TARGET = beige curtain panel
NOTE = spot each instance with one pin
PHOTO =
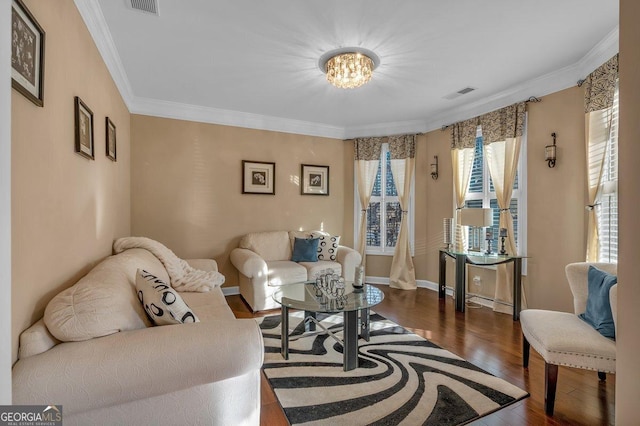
(463, 145)
(367, 155)
(502, 132)
(599, 91)
(403, 152)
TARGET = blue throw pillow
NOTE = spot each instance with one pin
(305, 250)
(598, 313)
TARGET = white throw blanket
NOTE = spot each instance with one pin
(183, 276)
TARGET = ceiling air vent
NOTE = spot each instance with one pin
(460, 92)
(148, 6)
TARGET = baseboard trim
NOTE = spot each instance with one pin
(420, 283)
(472, 298)
(230, 291)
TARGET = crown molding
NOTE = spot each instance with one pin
(600, 53)
(180, 111)
(91, 13)
(549, 83)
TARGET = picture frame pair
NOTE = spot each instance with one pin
(258, 177)
(84, 141)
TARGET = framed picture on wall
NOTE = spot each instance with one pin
(110, 139)
(314, 180)
(84, 129)
(258, 177)
(27, 53)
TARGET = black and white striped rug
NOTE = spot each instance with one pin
(402, 379)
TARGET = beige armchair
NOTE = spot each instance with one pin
(563, 338)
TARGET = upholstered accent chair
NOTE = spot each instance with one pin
(563, 338)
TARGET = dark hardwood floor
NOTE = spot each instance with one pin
(492, 342)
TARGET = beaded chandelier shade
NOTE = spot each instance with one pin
(348, 68)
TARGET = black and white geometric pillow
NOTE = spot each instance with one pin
(328, 247)
(161, 302)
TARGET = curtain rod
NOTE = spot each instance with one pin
(532, 99)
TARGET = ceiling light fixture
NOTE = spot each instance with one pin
(349, 68)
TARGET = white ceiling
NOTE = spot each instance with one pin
(254, 63)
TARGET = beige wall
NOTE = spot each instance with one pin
(66, 209)
(187, 183)
(628, 332)
(556, 199)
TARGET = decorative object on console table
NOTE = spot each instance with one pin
(84, 129)
(489, 237)
(258, 177)
(447, 223)
(476, 219)
(27, 54)
(314, 180)
(503, 236)
(110, 139)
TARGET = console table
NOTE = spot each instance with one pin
(479, 259)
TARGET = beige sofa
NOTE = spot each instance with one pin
(263, 260)
(200, 373)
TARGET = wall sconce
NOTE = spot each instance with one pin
(550, 152)
(434, 168)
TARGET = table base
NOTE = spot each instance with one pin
(350, 333)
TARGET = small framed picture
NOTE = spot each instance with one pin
(84, 129)
(315, 180)
(110, 139)
(258, 177)
(27, 53)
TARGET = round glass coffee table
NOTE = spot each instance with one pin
(354, 304)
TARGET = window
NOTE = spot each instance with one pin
(607, 207)
(482, 194)
(384, 213)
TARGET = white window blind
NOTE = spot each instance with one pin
(607, 207)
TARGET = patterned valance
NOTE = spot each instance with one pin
(600, 86)
(507, 122)
(368, 149)
(403, 146)
(463, 134)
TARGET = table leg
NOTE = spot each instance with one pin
(364, 323)
(284, 339)
(350, 347)
(517, 288)
(461, 272)
(442, 275)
